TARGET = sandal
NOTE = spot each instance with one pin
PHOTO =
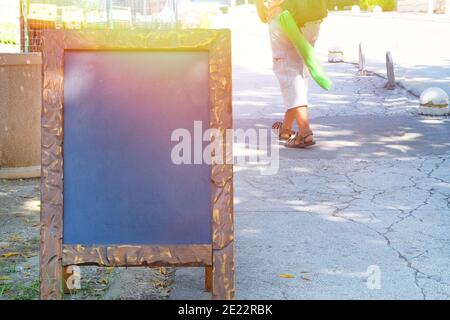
(283, 134)
(300, 141)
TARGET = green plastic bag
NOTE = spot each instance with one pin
(304, 48)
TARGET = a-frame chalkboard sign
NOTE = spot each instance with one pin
(111, 196)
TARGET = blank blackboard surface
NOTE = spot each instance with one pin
(120, 185)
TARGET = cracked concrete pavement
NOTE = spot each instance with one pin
(372, 199)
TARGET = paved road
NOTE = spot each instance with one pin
(363, 215)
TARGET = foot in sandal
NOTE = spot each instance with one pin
(301, 141)
(283, 133)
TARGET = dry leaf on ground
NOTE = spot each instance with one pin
(9, 254)
(305, 278)
(15, 238)
(286, 276)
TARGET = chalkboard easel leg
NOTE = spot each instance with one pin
(50, 260)
(208, 279)
(223, 273)
(66, 276)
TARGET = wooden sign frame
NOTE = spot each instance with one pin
(218, 257)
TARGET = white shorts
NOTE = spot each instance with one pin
(288, 65)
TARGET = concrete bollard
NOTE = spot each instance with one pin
(335, 53)
(391, 83)
(356, 9)
(377, 10)
(362, 61)
(434, 102)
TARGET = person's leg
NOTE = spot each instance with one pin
(279, 43)
(293, 78)
(289, 118)
(284, 128)
(301, 116)
(305, 136)
(311, 33)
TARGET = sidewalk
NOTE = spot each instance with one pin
(370, 202)
(374, 193)
(417, 43)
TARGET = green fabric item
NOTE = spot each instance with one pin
(304, 48)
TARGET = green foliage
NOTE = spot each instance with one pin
(9, 33)
(4, 288)
(27, 292)
(387, 5)
(18, 291)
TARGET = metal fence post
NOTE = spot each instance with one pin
(177, 22)
(109, 14)
(24, 41)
